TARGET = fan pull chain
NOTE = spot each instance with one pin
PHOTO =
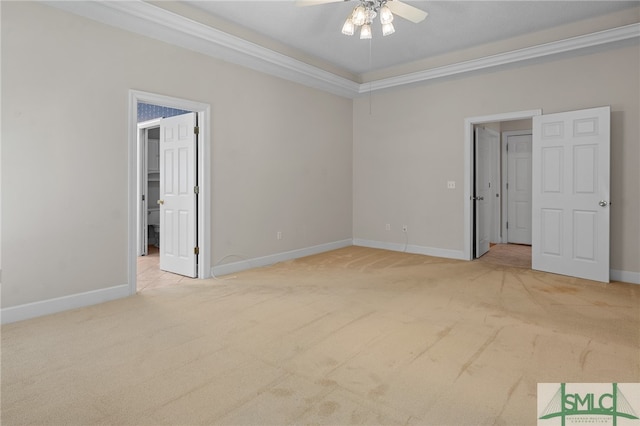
(370, 64)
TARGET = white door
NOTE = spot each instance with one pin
(571, 193)
(483, 142)
(178, 142)
(519, 189)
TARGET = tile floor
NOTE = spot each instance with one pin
(150, 276)
(516, 255)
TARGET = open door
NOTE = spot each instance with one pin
(178, 195)
(570, 217)
(484, 139)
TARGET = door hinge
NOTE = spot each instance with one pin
(507, 185)
(507, 225)
(196, 250)
(142, 197)
(196, 189)
(196, 130)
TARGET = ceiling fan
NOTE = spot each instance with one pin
(365, 12)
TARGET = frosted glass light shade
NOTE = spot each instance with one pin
(365, 32)
(385, 15)
(359, 16)
(348, 28)
(388, 29)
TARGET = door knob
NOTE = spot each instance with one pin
(160, 202)
(477, 198)
(603, 203)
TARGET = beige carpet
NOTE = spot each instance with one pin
(353, 336)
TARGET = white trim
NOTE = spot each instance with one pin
(624, 276)
(152, 21)
(410, 248)
(256, 262)
(204, 177)
(539, 51)
(616, 275)
(64, 303)
(468, 165)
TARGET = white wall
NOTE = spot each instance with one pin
(281, 152)
(411, 144)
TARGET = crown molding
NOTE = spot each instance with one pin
(535, 52)
(152, 21)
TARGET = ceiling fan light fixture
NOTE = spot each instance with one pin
(387, 29)
(365, 32)
(385, 15)
(364, 14)
(348, 28)
(359, 16)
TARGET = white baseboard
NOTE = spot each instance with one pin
(243, 265)
(625, 276)
(59, 304)
(410, 248)
(616, 275)
(64, 303)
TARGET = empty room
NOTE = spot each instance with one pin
(320, 212)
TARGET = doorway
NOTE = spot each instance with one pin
(151, 273)
(502, 193)
(570, 190)
(203, 177)
(494, 205)
(148, 232)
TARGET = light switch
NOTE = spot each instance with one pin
(451, 184)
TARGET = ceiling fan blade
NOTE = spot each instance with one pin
(315, 2)
(407, 11)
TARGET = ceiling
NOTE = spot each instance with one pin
(450, 26)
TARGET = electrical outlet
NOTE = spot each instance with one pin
(279, 235)
(451, 184)
(387, 227)
(404, 228)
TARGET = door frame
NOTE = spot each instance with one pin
(504, 167)
(204, 178)
(469, 172)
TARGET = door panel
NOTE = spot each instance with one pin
(551, 232)
(177, 192)
(571, 177)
